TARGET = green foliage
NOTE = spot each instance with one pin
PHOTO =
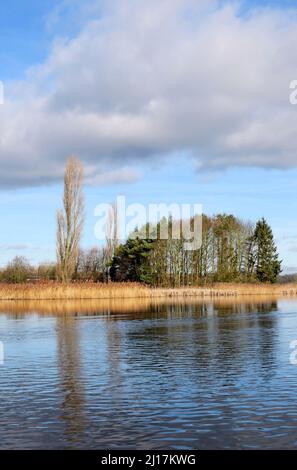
(131, 261)
(231, 251)
(226, 229)
(268, 266)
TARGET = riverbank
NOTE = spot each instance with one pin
(96, 291)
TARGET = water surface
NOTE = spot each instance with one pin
(148, 376)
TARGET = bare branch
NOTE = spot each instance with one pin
(70, 220)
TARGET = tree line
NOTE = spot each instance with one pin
(232, 250)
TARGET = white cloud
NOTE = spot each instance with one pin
(123, 175)
(147, 79)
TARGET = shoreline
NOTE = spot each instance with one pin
(130, 291)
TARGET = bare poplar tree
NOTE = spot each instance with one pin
(111, 235)
(70, 220)
(112, 230)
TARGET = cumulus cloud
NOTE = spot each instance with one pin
(146, 80)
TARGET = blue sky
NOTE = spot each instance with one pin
(238, 158)
(24, 37)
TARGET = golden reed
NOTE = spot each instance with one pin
(96, 291)
(156, 305)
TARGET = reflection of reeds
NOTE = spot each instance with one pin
(92, 291)
(130, 306)
(87, 306)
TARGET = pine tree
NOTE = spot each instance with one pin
(131, 261)
(268, 265)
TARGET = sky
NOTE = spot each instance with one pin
(174, 101)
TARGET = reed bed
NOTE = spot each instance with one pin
(97, 291)
(72, 291)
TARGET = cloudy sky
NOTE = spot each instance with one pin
(164, 101)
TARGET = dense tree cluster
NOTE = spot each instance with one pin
(231, 250)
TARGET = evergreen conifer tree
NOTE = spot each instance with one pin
(268, 265)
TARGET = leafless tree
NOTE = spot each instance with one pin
(91, 264)
(70, 220)
(112, 235)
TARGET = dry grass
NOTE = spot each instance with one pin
(58, 291)
(90, 291)
(231, 290)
